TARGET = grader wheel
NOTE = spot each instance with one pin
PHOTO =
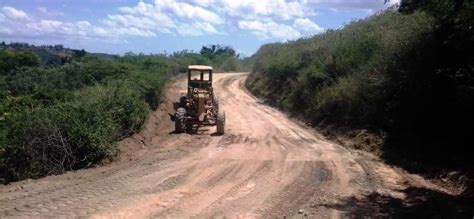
(220, 123)
(216, 103)
(179, 122)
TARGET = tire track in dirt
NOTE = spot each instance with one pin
(266, 165)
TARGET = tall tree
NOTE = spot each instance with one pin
(213, 51)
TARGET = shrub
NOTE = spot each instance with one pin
(71, 135)
(60, 118)
(53, 140)
(12, 60)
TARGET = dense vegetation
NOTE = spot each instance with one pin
(222, 58)
(68, 111)
(405, 73)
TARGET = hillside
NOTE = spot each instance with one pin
(397, 83)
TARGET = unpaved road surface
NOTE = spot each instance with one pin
(266, 165)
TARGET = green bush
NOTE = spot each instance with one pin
(59, 118)
(12, 60)
(71, 135)
(56, 139)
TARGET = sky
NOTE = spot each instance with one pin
(157, 26)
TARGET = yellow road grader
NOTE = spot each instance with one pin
(199, 106)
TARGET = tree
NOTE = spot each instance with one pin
(80, 53)
(212, 51)
(446, 79)
(454, 21)
(438, 8)
(59, 47)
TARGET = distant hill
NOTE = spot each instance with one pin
(49, 54)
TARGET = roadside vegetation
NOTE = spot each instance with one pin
(221, 58)
(63, 109)
(404, 75)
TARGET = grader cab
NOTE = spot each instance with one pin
(199, 106)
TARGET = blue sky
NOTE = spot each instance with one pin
(155, 26)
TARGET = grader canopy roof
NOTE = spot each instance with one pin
(199, 67)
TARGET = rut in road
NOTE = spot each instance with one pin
(266, 165)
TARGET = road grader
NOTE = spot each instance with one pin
(199, 106)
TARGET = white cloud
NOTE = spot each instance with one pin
(203, 3)
(251, 9)
(393, 2)
(200, 17)
(133, 31)
(147, 12)
(196, 29)
(188, 11)
(130, 21)
(269, 30)
(18, 23)
(48, 25)
(13, 13)
(167, 16)
(367, 5)
(141, 8)
(307, 26)
(186, 18)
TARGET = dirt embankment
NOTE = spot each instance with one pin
(266, 165)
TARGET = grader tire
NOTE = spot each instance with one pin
(216, 103)
(220, 123)
(179, 122)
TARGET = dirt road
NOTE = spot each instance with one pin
(266, 165)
